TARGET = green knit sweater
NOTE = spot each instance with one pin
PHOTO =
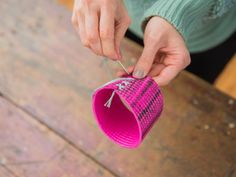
(202, 23)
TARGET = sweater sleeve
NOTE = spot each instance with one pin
(187, 15)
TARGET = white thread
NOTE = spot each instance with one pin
(118, 61)
(108, 103)
(120, 87)
(125, 82)
(115, 80)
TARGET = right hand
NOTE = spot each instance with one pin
(101, 25)
(165, 53)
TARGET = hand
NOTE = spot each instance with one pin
(164, 55)
(101, 25)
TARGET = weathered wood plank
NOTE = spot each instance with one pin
(5, 173)
(46, 71)
(30, 149)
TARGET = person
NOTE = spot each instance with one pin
(170, 29)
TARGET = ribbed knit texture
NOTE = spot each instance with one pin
(202, 23)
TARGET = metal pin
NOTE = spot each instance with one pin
(123, 67)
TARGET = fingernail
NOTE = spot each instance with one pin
(138, 74)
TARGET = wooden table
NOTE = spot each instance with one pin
(46, 123)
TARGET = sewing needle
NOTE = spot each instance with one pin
(118, 61)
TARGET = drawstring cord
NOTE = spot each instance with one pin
(120, 86)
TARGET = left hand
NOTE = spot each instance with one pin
(101, 25)
(164, 55)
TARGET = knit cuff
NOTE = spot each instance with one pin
(185, 16)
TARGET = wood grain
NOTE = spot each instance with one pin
(47, 73)
(30, 149)
(6, 173)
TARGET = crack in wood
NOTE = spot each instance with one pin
(33, 162)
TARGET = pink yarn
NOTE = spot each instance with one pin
(127, 126)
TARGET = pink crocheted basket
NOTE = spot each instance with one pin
(126, 109)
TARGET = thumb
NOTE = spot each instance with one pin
(145, 62)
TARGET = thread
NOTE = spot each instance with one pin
(108, 103)
(118, 61)
(120, 85)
